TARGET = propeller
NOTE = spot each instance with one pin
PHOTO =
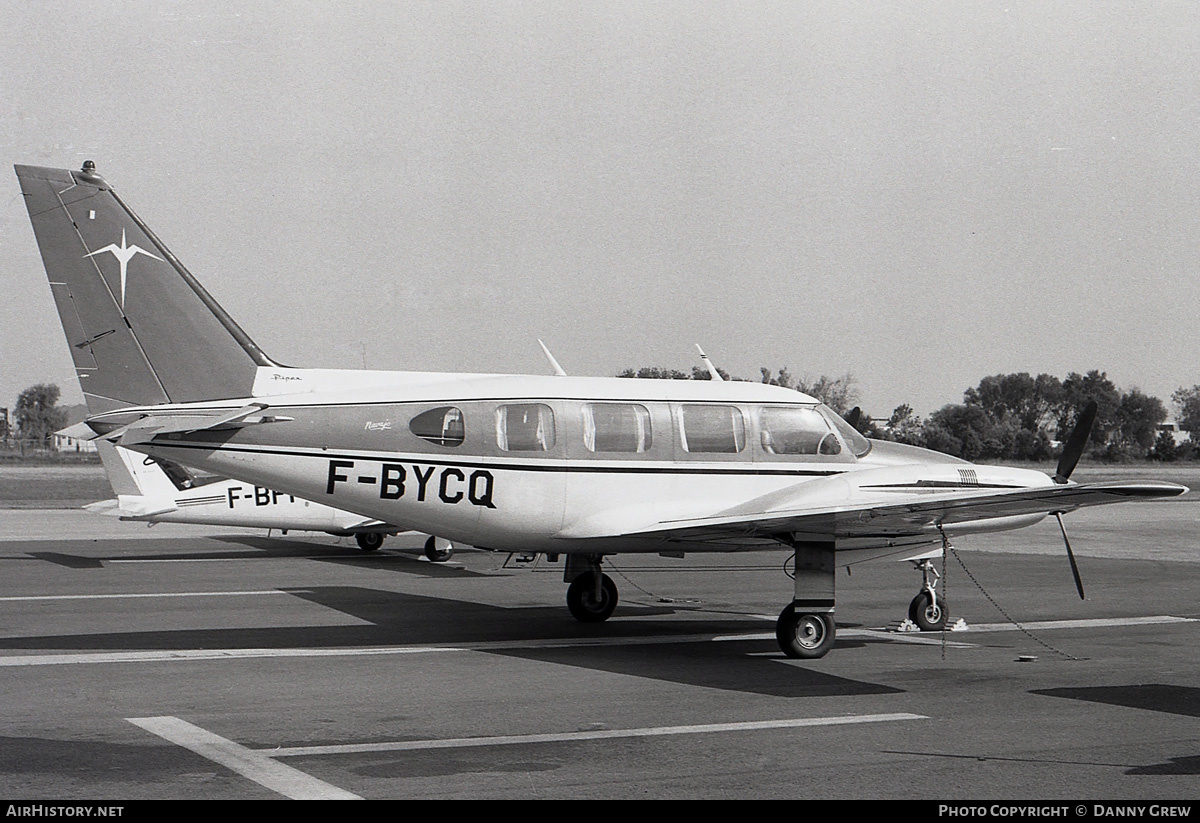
(1071, 453)
(1070, 556)
(853, 416)
(1076, 443)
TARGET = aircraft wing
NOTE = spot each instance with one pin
(916, 515)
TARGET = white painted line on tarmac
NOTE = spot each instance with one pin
(595, 734)
(254, 765)
(921, 639)
(186, 559)
(150, 594)
(185, 655)
(180, 655)
(916, 638)
(961, 637)
(1096, 623)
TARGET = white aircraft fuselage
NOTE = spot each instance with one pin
(347, 440)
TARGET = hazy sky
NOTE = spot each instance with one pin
(919, 194)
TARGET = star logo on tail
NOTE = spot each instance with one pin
(124, 254)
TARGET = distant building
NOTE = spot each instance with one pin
(65, 440)
(1177, 433)
(66, 443)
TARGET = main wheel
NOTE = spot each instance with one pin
(582, 601)
(436, 553)
(804, 635)
(368, 541)
(929, 616)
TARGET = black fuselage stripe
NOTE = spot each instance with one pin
(576, 467)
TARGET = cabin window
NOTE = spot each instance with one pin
(525, 427)
(794, 430)
(712, 429)
(616, 427)
(443, 426)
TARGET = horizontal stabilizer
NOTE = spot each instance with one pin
(139, 508)
(147, 428)
(131, 507)
(111, 508)
(79, 431)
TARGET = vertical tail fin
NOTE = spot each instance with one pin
(120, 467)
(142, 330)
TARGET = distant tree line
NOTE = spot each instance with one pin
(658, 373)
(37, 416)
(1021, 417)
(1012, 416)
(32, 422)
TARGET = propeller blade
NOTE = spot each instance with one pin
(1076, 443)
(1070, 556)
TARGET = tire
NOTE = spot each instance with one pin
(928, 616)
(803, 635)
(581, 598)
(433, 553)
(369, 541)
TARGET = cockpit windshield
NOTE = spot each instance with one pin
(859, 445)
(797, 430)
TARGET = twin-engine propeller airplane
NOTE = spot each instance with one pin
(581, 467)
(155, 491)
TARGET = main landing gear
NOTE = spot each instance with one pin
(804, 635)
(369, 541)
(438, 549)
(928, 610)
(806, 628)
(591, 595)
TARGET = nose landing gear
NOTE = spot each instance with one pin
(927, 610)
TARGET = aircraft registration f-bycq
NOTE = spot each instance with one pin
(575, 466)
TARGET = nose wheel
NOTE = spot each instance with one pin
(929, 614)
(928, 610)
